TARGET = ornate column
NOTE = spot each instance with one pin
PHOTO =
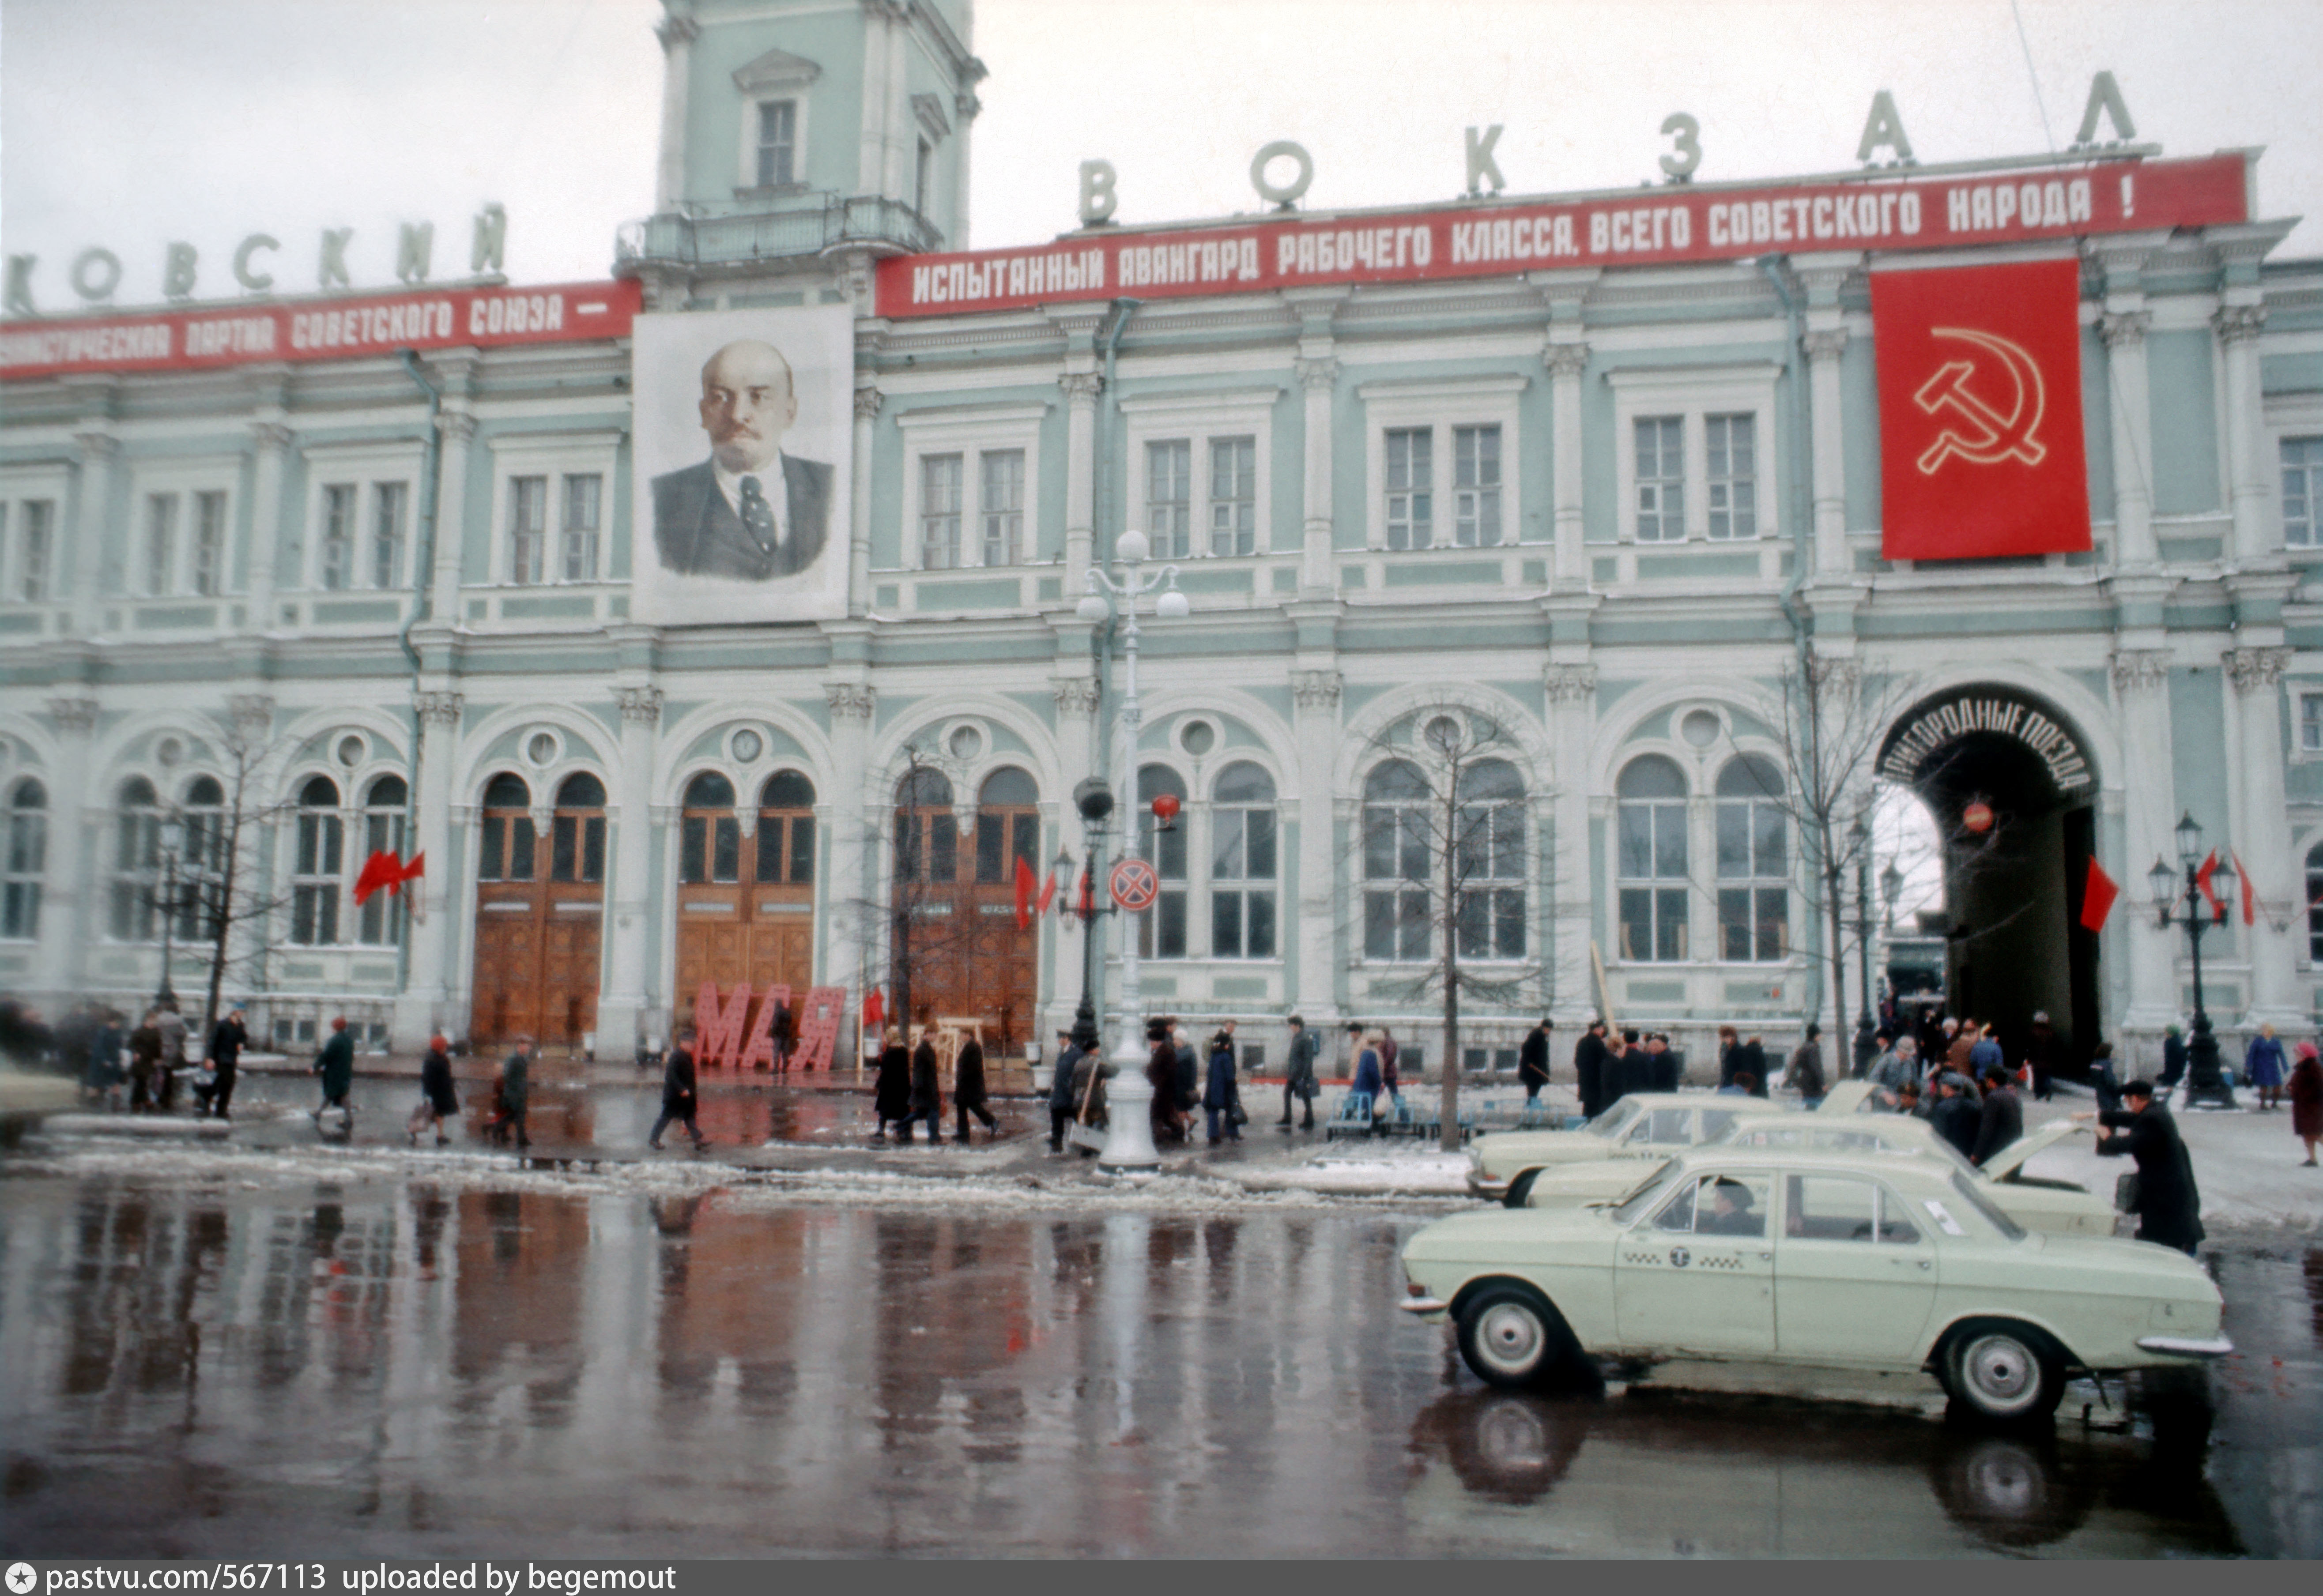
(1825, 346)
(1081, 390)
(1319, 374)
(1568, 358)
(69, 895)
(2141, 683)
(2261, 835)
(622, 1006)
(2124, 332)
(868, 402)
(270, 441)
(853, 873)
(425, 1004)
(100, 452)
(1316, 992)
(677, 35)
(459, 430)
(1572, 690)
(2258, 533)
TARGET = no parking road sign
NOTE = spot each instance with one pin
(1134, 885)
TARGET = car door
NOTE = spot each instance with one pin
(1697, 1275)
(1855, 1275)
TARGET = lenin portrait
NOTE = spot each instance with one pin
(749, 512)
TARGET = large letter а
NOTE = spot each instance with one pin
(1999, 437)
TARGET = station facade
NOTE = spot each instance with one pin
(1601, 477)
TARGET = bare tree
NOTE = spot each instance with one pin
(1446, 837)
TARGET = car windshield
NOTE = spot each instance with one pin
(1616, 1119)
(1642, 1201)
(1976, 1200)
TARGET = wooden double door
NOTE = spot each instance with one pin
(746, 898)
(953, 919)
(540, 900)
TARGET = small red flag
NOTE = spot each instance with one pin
(874, 1009)
(2202, 883)
(2250, 893)
(1048, 894)
(378, 871)
(2097, 897)
(1023, 894)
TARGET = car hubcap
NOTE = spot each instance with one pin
(1509, 1337)
(2001, 1369)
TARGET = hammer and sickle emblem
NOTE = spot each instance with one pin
(1998, 435)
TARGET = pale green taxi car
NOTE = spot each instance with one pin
(2052, 1207)
(1785, 1256)
(1644, 1125)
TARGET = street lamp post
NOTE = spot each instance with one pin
(2179, 903)
(1866, 1045)
(1094, 799)
(1129, 1134)
(173, 842)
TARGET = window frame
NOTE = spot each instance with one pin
(554, 456)
(24, 857)
(325, 886)
(764, 87)
(366, 467)
(1693, 394)
(1442, 405)
(2286, 439)
(379, 919)
(1406, 899)
(48, 484)
(1244, 888)
(1656, 884)
(1200, 420)
(1173, 904)
(971, 432)
(1756, 882)
(183, 480)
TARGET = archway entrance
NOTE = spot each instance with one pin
(955, 951)
(2013, 791)
(539, 900)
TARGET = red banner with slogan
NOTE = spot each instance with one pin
(1981, 411)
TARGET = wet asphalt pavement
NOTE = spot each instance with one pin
(251, 1362)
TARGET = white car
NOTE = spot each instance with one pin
(1644, 1125)
(2055, 1207)
(1873, 1264)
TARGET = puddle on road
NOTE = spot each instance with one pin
(200, 1367)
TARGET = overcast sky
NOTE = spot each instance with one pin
(133, 122)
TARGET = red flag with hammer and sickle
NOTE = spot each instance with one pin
(1981, 411)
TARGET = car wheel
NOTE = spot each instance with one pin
(1511, 1337)
(2003, 1372)
(1520, 1192)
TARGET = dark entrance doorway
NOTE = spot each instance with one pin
(955, 951)
(2012, 791)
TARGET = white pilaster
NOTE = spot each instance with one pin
(1081, 385)
(459, 431)
(100, 454)
(68, 896)
(2124, 330)
(1318, 375)
(1315, 694)
(426, 1004)
(2263, 835)
(622, 1007)
(2141, 684)
(270, 441)
(867, 400)
(1568, 358)
(1572, 690)
(1825, 346)
(2258, 531)
(677, 35)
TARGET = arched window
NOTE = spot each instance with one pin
(379, 923)
(315, 868)
(2315, 904)
(786, 830)
(1161, 929)
(1651, 865)
(508, 846)
(927, 834)
(1396, 852)
(26, 858)
(1754, 861)
(201, 866)
(1007, 826)
(709, 837)
(576, 845)
(1490, 860)
(1243, 864)
(136, 861)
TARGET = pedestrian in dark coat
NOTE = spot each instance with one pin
(1953, 1117)
(2044, 1054)
(1729, 1055)
(1590, 1057)
(2002, 1119)
(2169, 1208)
(105, 1076)
(678, 1099)
(1532, 1059)
(891, 1097)
(1221, 1095)
(2307, 1100)
(1389, 1052)
(1752, 1062)
(967, 1092)
(1662, 1062)
(336, 1065)
(1163, 1117)
(226, 1041)
(1300, 1085)
(437, 1096)
(2174, 1060)
(2105, 1077)
(144, 1062)
(1061, 1090)
(1806, 1068)
(516, 1091)
(927, 1092)
(1189, 1070)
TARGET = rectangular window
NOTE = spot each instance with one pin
(378, 924)
(209, 543)
(1234, 495)
(1410, 483)
(1169, 497)
(940, 507)
(801, 849)
(2302, 492)
(161, 544)
(1733, 485)
(1002, 499)
(1653, 923)
(314, 879)
(388, 504)
(335, 558)
(1161, 929)
(1661, 479)
(2310, 723)
(777, 143)
(35, 516)
(1477, 486)
(27, 858)
(527, 530)
(576, 848)
(584, 498)
(1242, 870)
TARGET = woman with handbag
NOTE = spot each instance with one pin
(1221, 1098)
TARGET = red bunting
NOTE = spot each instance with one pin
(2098, 897)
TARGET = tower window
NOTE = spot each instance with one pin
(777, 143)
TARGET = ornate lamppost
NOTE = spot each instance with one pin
(1129, 1135)
(2181, 903)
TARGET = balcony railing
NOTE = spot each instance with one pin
(887, 225)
